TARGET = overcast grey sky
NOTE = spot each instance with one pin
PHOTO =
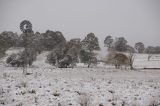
(136, 20)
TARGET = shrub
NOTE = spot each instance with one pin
(22, 59)
(14, 60)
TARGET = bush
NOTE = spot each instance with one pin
(22, 59)
(11, 58)
(65, 62)
(14, 60)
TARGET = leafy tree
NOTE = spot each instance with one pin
(55, 56)
(139, 46)
(53, 40)
(130, 49)
(88, 57)
(108, 41)
(68, 55)
(120, 44)
(89, 44)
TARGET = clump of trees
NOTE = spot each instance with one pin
(75, 50)
(33, 44)
(118, 44)
(120, 53)
(66, 56)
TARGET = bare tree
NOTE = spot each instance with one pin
(131, 60)
(131, 56)
(117, 59)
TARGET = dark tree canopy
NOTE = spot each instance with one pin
(66, 55)
(120, 44)
(130, 49)
(152, 50)
(108, 41)
(139, 46)
(7, 39)
(90, 42)
(52, 40)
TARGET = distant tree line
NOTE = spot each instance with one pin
(120, 44)
(65, 53)
(62, 53)
(118, 47)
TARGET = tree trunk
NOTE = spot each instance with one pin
(89, 63)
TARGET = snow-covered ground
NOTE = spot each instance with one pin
(99, 86)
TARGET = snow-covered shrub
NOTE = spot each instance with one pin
(21, 84)
(56, 94)
(23, 58)
(15, 60)
(84, 100)
(19, 104)
(5, 75)
(11, 58)
(32, 91)
(154, 103)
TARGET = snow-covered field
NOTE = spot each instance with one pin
(99, 86)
